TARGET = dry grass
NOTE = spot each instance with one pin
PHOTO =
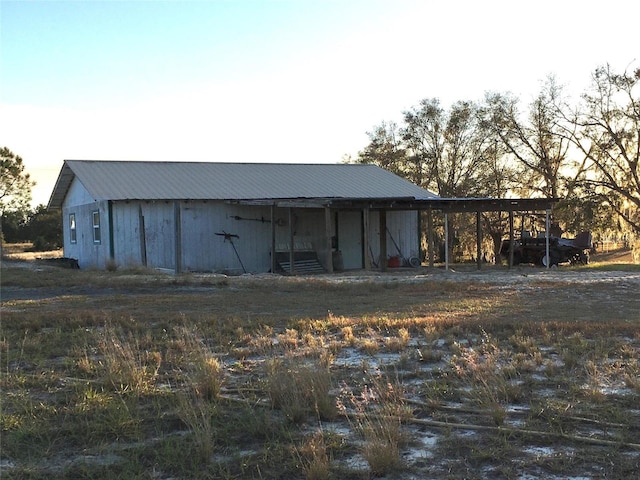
(118, 374)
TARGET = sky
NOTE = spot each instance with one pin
(293, 81)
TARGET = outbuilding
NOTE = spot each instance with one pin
(236, 217)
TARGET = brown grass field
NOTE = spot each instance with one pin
(422, 373)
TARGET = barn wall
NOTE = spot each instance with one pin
(350, 239)
(89, 254)
(403, 228)
(199, 233)
(205, 248)
(155, 243)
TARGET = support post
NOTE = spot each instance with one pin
(273, 238)
(383, 240)
(177, 231)
(479, 239)
(546, 237)
(512, 242)
(365, 239)
(446, 241)
(430, 239)
(327, 239)
(143, 239)
(292, 246)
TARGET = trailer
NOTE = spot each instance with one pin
(533, 250)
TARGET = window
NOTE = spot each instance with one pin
(72, 228)
(96, 227)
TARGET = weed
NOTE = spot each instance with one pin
(126, 366)
(300, 390)
(201, 370)
(370, 346)
(377, 414)
(316, 463)
(347, 335)
(197, 413)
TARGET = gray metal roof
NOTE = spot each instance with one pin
(135, 180)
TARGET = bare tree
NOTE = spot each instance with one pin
(607, 133)
(535, 138)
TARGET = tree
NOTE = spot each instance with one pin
(445, 147)
(15, 184)
(14, 226)
(385, 150)
(44, 229)
(535, 138)
(607, 133)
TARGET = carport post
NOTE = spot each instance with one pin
(273, 239)
(430, 236)
(478, 240)
(446, 241)
(383, 240)
(546, 237)
(327, 239)
(511, 239)
(291, 240)
(365, 239)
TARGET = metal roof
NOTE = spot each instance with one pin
(137, 180)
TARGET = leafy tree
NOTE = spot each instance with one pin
(607, 133)
(15, 184)
(445, 147)
(14, 226)
(44, 229)
(386, 150)
(452, 150)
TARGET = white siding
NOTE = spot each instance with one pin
(205, 248)
(157, 240)
(403, 227)
(350, 238)
(202, 247)
(88, 253)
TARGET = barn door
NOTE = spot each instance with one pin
(349, 231)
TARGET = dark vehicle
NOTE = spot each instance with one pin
(528, 249)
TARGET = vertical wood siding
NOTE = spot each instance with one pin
(200, 247)
(80, 203)
(403, 226)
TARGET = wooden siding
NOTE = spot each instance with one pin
(189, 235)
(403, 227)
(155, 243)
(88, 253)
(205, 248)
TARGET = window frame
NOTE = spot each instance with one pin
(97, 234)
(73, 228)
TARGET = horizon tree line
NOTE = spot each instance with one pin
(585, 153)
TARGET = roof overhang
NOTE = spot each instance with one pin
(65, 177)
(446, 205)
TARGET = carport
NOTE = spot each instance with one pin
(444, 206)
(480, 205)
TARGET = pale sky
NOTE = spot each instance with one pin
(273, 80)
